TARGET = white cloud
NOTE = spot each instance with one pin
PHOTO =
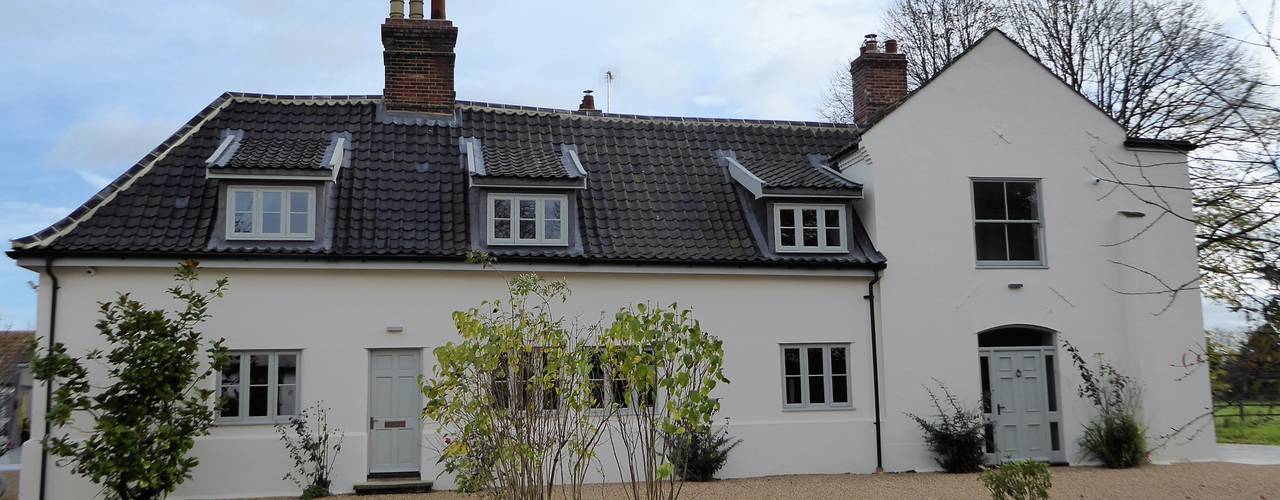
(108, 142)
(20, 218)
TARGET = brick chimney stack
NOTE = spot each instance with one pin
(879, 78)
(588, 102)
(418, 59)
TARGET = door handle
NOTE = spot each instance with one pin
(999, 409)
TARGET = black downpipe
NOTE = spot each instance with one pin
(48, 385)
(875, 367)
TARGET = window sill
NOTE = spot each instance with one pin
(811, 250)
(1029, 265)
(270, 238)
(527, 243)
(254, 422)
(800, 409)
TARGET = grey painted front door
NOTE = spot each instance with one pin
(1019, 404)
(394, 408)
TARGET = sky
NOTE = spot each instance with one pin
(89, 87)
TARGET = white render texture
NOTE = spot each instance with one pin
(335, 316)
(994, 113)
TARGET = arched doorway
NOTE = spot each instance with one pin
(1020, 393)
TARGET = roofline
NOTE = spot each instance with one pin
(883, 113)
(171, 257)
(1179, 145)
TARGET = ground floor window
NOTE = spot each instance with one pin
(259, 387)
(815, 376)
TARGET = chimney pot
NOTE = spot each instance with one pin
(397, 9)
(588, 101)
(437, 9)
(415, 9)
(879, 79)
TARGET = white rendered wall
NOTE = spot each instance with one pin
(334, 316)
(997, 113)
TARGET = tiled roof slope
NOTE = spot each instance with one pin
(280, 153)
(527, 161)
(795, 171)
(655, 190)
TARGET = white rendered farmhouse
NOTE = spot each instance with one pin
(958, 233)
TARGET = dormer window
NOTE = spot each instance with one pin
(810, 228)
(527, 219)
(270, 213)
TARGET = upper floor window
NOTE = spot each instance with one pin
(527, 219)
(1007, 225)
(262, 213)
(809, 228)
(815, 376)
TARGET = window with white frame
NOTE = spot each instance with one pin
(263, 213)
(522, 385)
(815, 376)
(1007, 225)
(809, 228)
(524, 219)
(259, 387)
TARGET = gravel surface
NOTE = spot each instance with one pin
(1182, 481)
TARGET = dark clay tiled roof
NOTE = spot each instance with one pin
(655, 190)
(528, 161)
(796, 171)
(280, 153)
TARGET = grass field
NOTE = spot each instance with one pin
(1255, 428)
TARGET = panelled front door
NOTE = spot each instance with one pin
(1019, 404)
(394, 408)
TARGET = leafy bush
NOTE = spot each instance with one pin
(307, 438)
(1026, 480)
(140, 426)
(956, 435)
(1115, 436)
(699, 453)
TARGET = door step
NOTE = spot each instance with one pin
(392, 486)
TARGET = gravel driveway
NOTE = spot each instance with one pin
(1182, 481)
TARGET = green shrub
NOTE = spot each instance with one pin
(1115, 436)
(313, 447)
(1026, 480)
(955, 436)
(1118, 441)
(699, 453)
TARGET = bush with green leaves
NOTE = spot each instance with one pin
(955, 434)
(664, 366)
(155, 401)
(699, 453)
(512, 399)
(525, 398)
(1025, 480)
(1114, 436)
(313, 447)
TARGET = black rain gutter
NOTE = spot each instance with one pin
(48, 385)
(875, 367)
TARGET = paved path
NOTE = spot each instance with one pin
(1250, 454)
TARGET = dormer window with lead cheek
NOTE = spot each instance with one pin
(817, 228)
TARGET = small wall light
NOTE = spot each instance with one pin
(1015, 286)
(395, 329)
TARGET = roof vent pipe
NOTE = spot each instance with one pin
(397, 9)
(415, 9)
(437, 9)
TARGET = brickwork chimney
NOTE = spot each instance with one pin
(418, 59)
(879, 78)
(588, 101)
